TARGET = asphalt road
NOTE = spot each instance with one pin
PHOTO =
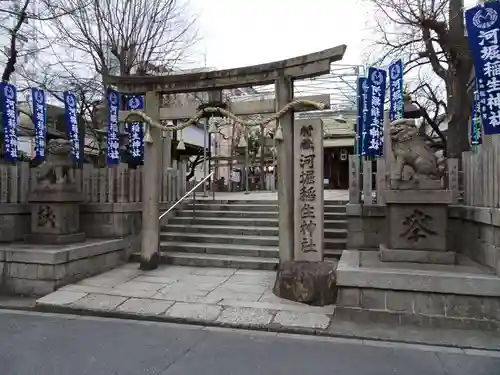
(49, 344)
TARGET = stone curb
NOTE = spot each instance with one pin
(275, 328)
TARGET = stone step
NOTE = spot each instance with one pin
(220, 248)
(336, 243)
(335, 216)
(243, 214)
(231, 207)
(209, 201)
(220, 238)
(214, 260)
(333, 254)
(335, 224)
(340, 233)
(335, 233)
(216, 221)
(225, 229)
(334, 208)
(250, 214)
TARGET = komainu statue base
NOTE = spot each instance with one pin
(55, 201)
(55, 215)
(312, 283)
(417, 227)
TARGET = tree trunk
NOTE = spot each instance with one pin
(460, 110)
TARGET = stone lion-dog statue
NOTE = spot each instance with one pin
(409, 148)
(57, 169)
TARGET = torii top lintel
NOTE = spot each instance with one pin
(301, 67)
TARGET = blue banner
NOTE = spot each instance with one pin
(374, 139)
(40, 121)
(136, 129)
(483, 25)
(72, 123)
(10, 118)
(362, 93)
(476, 130)
(113, 154)
(396, 105)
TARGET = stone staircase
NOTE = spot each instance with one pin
(238, 234)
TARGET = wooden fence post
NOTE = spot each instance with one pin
(453, 179)
(354, 179)
(367, 182)
(381, 180)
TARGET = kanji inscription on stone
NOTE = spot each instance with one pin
(417, 226)
(308, 190)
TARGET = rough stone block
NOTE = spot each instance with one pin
(355, 240)
(355, 224)
(56, 239)
(373, 299)
(491, 308)
(464, 307)
(429, 303)
(372, 240)
(22, 271)
(29, 287)
(399, 301)
(349, 297)
(313, 283)
(417, 256)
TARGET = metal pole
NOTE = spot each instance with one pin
(205, 165)
(247, 162)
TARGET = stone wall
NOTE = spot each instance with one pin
(475, 232)
(37, 271)
(14, 221)
(365, 225)
(472, 231)
(419, 308)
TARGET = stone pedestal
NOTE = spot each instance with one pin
(416, 226)
(55, 215)
(312, 283)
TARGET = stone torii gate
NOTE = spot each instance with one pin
(282, 74)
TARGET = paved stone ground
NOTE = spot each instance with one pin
(228, 297)
(54, 344)
(334, 195)
(218, 295)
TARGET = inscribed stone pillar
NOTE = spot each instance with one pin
(308, 190)
(150, 189)
(284, 95)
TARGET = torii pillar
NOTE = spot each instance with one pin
(150, 234)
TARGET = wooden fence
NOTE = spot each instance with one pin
(369, 190)
(481, 174)
(365, 185)
(118, 184)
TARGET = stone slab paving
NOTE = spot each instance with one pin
(334, 195)
(234, 297)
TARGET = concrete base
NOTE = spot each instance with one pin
(55, 239)
(462, 296)
(416, 256)
(40, 269)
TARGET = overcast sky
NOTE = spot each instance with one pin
(246, 32)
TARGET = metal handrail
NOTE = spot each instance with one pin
(187, 194)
